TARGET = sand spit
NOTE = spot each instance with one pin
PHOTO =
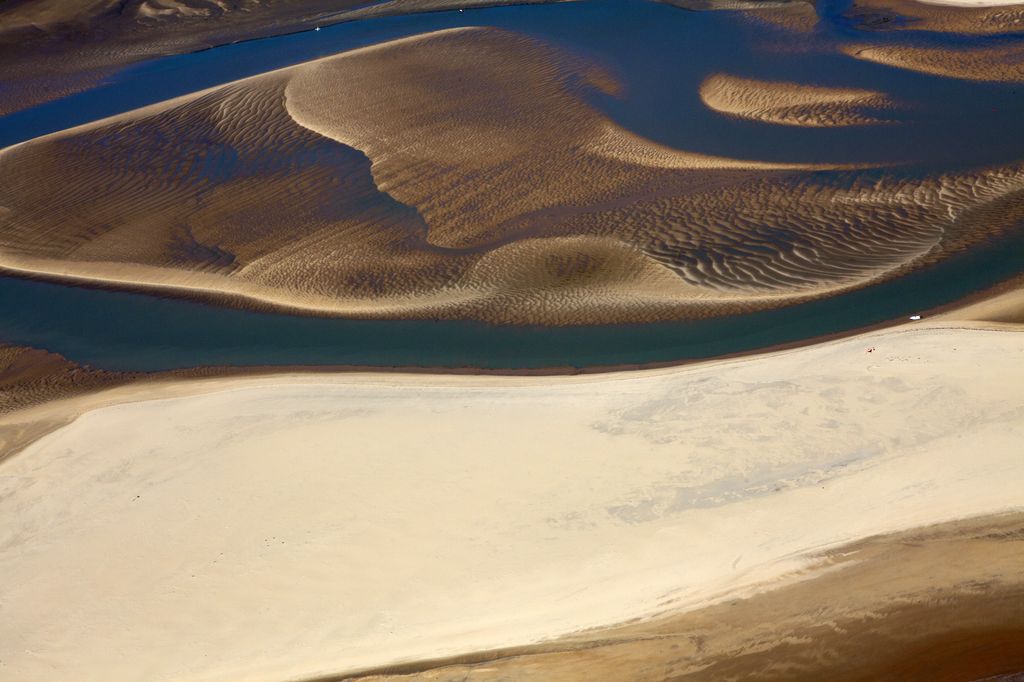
(288, 527)
(793, 104)
(1002, 63)
(1002, 310)
(30, 376)
(510, 200)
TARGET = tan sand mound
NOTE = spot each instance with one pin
(792, 104)
(316, 189)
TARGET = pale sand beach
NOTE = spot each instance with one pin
(286, 527)
(972, 3)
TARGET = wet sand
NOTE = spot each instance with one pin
(792, 103)
(997, 62)
(283, 527)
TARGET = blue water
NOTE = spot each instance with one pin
(662, 54)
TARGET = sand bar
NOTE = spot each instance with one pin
(284, 527)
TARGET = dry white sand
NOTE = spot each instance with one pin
(276, 528)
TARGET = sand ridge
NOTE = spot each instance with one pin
(999, 63)
(792, 104)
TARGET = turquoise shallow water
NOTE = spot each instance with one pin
(662, 53)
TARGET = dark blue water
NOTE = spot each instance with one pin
(662, 54)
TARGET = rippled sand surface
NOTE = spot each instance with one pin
(998, 63)
(791, 103)
(53, 48)
(481, 182)
(954, 16)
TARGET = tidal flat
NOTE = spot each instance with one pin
(446, 340)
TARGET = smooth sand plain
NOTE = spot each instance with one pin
(293, 526)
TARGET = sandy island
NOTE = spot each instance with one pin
(372, 210)
(291, 527)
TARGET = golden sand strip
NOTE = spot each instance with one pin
(996, 63)
(287, 527)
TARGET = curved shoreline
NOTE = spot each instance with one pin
(169, 333)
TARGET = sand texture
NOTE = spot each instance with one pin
(948, 16)
(791, 103)
(53, 48)
(999, 63)
(511, 199)
(283, 527)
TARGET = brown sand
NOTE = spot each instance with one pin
(312, 189)
(31, 377)
(1003, 63)
(53, 48)
(791, 104)
(795, 19)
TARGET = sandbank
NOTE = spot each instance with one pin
(294, 526)
(371, 210)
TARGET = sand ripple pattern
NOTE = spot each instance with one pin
(999, 63)
(479, 183)
(791, 104)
